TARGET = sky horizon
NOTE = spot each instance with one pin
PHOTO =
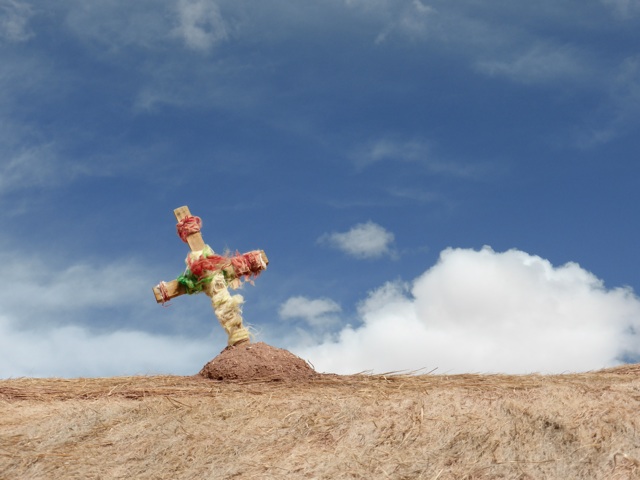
(438, 187)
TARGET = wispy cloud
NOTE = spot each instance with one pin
(201, 24)
(28, 163)
(29, 167)
(47, 288)
(495, 40)
(38, 288)
(626, 87)
(90, 319)
(419, 195)
(149, 26)
(540, 63)
(410, 20)
(419, 152)
(484, 311)
(14, 20)
(623, 9)
(364, 240)
(386, 149)
(620, 113)
(316, 312)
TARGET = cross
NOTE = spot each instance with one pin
(211, 273)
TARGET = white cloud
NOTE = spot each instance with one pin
(317, 312)
(89, 319)
(201, 24)
(73, 351)
(364, 240)
(14, 19)
(482, 311)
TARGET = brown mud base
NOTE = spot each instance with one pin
(257, 362)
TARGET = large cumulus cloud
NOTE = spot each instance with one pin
(484, 311)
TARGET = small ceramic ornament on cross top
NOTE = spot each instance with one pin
(211, 273)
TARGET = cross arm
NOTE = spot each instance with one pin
(165, 291)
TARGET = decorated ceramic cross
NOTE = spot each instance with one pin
(211, 273)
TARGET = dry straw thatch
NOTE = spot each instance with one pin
(577, 426)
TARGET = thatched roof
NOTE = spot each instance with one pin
(362, 426)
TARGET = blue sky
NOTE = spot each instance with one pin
(438, 185)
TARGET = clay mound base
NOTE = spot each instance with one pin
(257, 361)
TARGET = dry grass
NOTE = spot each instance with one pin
(578, 426)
